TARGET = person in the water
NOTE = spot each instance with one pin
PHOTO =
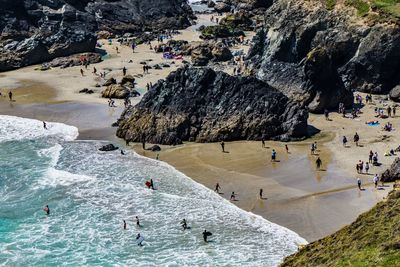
(124, 224)
(139, 237)
(47, 210)
(137, 222)
(44, 125)
(184, 224)
(122, 152)
(206, 234)
(151, 184)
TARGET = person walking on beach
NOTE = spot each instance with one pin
(137, 221)
(366, 167)
(356, 138)
(10, 96)
(262, 142)
(94, 70)
(344, 141)
(124, 224)
(359, 183)
(389, 111)
(124, 71)
(326, 113)
(312, 148)
(318, 162)
(287, 148)
(371, 154)
(394, 111)
(273, 155)
(47, 210)
(217, 188)
(82, 72)
(233, 196)
(375, 180)
(223, 146)
(261, 193)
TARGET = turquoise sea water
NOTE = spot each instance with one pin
(90, 192)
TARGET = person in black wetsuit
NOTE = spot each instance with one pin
(47, 210)
(206, 235)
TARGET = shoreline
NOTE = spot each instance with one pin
(312, 204)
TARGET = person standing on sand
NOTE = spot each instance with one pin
(389, 111)
(359, 183)
(371, 154)
(223, 146)
(262, 142)
(261, 193)
(312, 148)
(124, 71)
(358, 167)
(82, 72)
(356, 138)
(287, 148)
(217, 188)
(344, 141)
(10, 96)
(273, 155)
(375, 180)
(318, 162)
(394, 111)
(366, 167)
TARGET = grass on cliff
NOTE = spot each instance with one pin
(386, 8)
(372, 240)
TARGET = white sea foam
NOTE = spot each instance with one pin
(15, 128)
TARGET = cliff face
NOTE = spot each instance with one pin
(372, 240)
(37, 31)
(205, 106)
(317, 55)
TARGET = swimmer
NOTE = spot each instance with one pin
(137, 221)
(47, 210)
(184, 224)
(124, 224)
(205, 235)
(122, 152)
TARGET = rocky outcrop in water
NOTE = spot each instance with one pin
(202, 105)
(38, 31)
(318, 56)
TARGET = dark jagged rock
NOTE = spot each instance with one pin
(107, 148)
(239, 20)
(393, 173)
(359, 56)
(222, 7)
(203, 52)
(128, 79)
(154, 148)
(38, 31)
(74, 60)
(202, 105)
(395, 94)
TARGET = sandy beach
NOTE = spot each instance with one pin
(310, 202)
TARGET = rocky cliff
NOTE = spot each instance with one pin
(37, 31)
(317, 54)
(202, 105)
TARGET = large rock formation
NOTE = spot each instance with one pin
(206, 106)
(38, 31)
(393, 173)
(351, 53)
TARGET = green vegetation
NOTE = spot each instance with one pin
(330, 4)
(361, 6)
(372, 240)
(386, 8)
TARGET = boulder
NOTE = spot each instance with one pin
(221, 53)
(210, 4)
(107, 148)
(201, 105)
(393, 173)
(74, 60)
(395, 94)
(215, 31)
(110, 81)
(201, 54)
(127, 79)
(154, 148)
(222, 7)
(116, 91)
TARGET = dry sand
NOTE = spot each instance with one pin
(312, 203)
